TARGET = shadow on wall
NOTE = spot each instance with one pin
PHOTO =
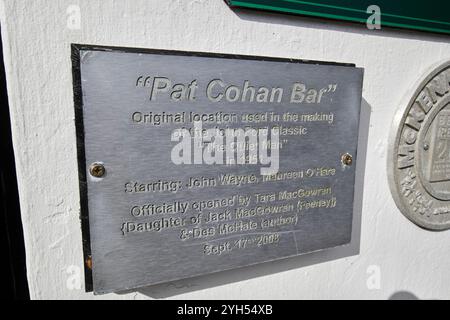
(242, 274)
(403, 295)
(335, 25)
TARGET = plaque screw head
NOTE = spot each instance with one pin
(89, 262)
(426, 146)
(97, 170)
(347, 159)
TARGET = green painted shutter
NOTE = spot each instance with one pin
(431, 15)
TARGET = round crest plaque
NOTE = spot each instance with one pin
(419, 152)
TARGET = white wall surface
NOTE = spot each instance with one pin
(409, 261)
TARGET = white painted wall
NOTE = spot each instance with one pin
(37, 57)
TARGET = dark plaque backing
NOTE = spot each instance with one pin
(147, 220)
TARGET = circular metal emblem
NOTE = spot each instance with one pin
(419, 152)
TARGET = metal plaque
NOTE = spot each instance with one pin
(419, 158)
(168, 193)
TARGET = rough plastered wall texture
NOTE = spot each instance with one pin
(395, 257)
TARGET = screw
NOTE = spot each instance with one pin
(97, 170)
(347, 159)
(426, 147)
(89, 262)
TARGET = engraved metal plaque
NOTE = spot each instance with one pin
(156, 207)
(419, 155)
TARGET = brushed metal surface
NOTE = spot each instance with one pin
(130, 152)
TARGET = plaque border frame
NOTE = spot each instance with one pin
(79, 124)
